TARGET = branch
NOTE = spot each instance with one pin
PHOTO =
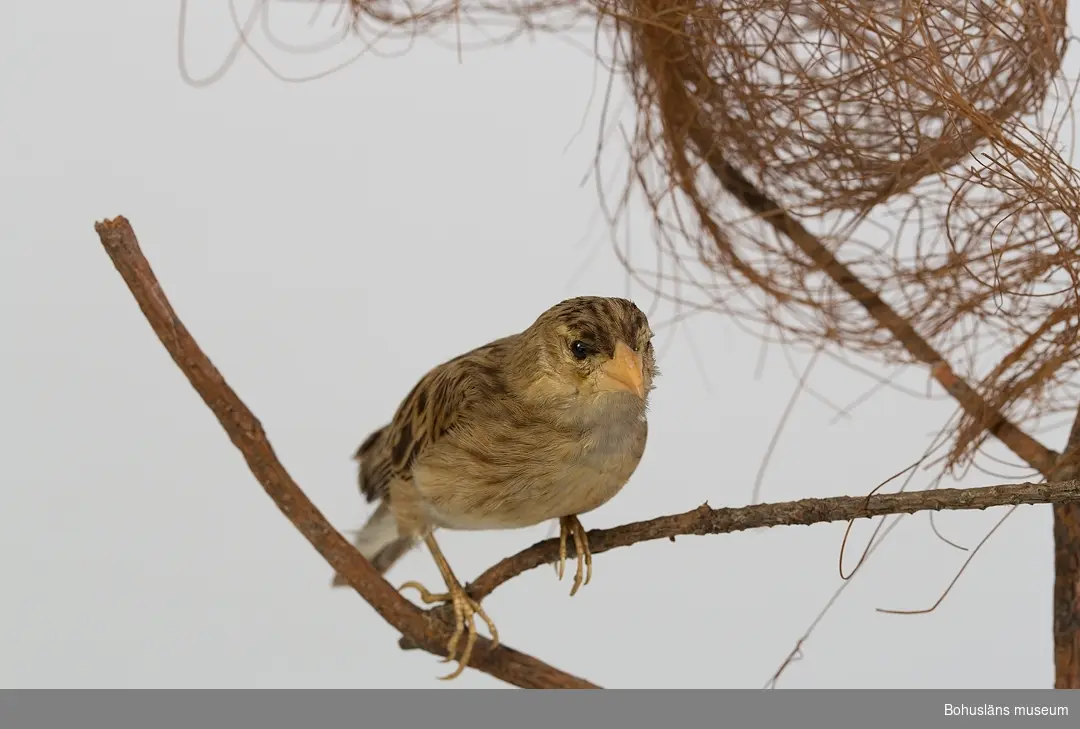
(705, 520)
(422, 628)
(1067, 571)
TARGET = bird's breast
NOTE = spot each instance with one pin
(524, 478)
(602, 466)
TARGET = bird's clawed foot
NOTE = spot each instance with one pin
(465, 611)
(570, 525)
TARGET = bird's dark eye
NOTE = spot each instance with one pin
(579, 349)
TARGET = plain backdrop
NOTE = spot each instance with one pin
(327, 242)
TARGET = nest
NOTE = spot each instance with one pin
(841, 105)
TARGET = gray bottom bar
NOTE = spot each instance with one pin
(540, 709)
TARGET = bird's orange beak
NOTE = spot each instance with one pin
(623, 372)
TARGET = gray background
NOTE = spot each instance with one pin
(326, 243)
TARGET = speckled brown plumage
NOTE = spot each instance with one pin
(545, 424)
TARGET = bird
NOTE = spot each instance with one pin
(545, 424)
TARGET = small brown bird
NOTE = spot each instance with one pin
(545, 424)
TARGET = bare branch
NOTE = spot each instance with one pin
(248, 436)
(1067, 572)
(705, 520)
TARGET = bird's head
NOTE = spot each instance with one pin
(590, 352)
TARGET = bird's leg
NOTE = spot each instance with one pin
(562, 547)
(465, 609)
(569, 525)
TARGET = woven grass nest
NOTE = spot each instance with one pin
(837, 105)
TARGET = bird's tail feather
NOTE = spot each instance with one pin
(378, 540)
